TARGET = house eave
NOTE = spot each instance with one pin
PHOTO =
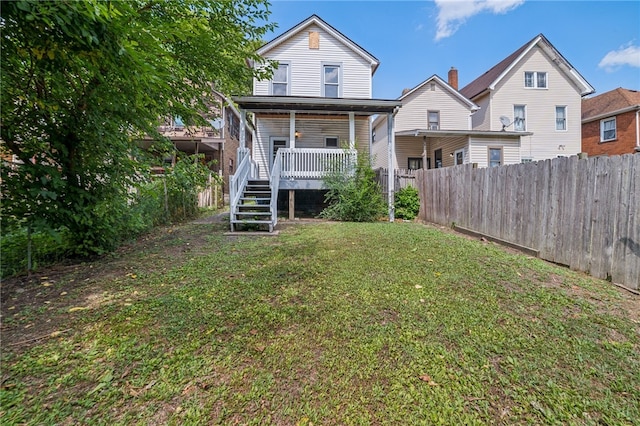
(611, 113)
(454, 133)
(317, 105)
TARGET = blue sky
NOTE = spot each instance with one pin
(415, 39)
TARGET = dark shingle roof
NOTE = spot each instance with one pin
(483, 82)
(609, 102)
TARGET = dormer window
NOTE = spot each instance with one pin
(535, 79)
(280, 81)
(331, 77)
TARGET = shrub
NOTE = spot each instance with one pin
(355, 196)
(407, 203)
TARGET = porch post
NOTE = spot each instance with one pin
(352, 130)
(292, 129)
(391, 146)
(243, 127)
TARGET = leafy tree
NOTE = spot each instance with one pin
(82, 80)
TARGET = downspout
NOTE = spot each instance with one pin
(391, 155)
(638, 130)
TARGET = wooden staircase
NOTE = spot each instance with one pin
(253, 211)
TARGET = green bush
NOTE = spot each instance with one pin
(355, 196)
(46, 248)
(407, 203)
(160, 200)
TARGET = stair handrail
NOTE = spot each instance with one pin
(238, 181)
(274, 183)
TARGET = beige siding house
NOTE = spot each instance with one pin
(534, 90)
(434, 129)
(310, 117)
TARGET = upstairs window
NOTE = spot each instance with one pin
(433, 120)
(535, 79)
(519, 118)
(561, 118)
(608, 129)
(280, 81)
(331, 81)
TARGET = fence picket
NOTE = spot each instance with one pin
(582, 213)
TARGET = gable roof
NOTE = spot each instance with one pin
(444, 84)
(491, 78)
(315, 19)
(610, 103)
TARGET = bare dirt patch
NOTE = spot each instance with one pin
(43, 304)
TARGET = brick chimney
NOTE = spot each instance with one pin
(453, 78)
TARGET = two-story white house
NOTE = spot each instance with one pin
(534, 90)
(312, 116)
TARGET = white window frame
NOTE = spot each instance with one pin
(602, 129)
(499, 148)
(455, 156)
(535, 79)
(417, 160)
(287, 83)
(564, 118)
(332, 137)
(429, 125)
(516, 118)
(324, 83)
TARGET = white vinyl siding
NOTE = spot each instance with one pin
(306, 66)
(312, 135)
(453, 113)
(479, 150)
(546, 141)
(379, 148)
(481, 119)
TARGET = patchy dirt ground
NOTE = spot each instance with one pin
(41, 306)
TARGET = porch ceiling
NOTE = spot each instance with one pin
(458, 133)
(317, 105)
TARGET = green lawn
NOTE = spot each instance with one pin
(324, 324)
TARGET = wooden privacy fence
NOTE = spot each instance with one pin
(584, 213)
(403, 178)
(211, 195)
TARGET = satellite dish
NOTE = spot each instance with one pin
(217, 123)
(506, 121)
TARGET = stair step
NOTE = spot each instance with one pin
(253, 214)
(266, 222)
(254, 199)
(268, 193)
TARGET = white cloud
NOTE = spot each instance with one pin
(625, 55)
(453, 13)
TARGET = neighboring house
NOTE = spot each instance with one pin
(535, 90)
(318, 101)
(218, 143)
(611, 123)
(434, 129)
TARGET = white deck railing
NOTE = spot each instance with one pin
(240, 178)
(314, 163)
(274, 182)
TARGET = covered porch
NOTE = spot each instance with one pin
(299, 140)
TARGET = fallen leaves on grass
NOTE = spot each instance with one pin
(427, 379)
